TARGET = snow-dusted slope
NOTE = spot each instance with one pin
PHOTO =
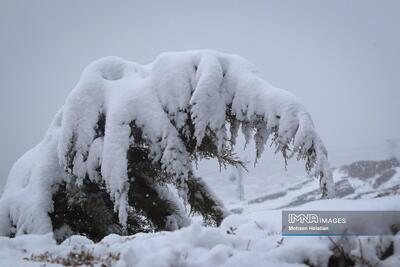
(362, 179)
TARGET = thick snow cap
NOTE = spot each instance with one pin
(214, 91)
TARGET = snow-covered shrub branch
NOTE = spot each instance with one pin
(127, 126)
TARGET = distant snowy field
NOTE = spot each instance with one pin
(251, 238)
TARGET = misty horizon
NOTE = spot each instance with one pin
(340, 58)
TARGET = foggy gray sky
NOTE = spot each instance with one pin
(340, 57)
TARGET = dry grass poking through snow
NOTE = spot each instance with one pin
(77, 257)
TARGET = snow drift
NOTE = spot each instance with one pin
(251, 239)
(177, 102)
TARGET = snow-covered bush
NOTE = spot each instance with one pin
(118, 157)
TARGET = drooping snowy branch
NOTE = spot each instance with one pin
(179, 108)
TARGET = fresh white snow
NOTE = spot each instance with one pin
(158, 98)
(249, 239)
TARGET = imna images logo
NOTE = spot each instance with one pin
(303, 218)
(314, 218)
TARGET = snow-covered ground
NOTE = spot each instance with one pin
(251, 238)
(248, 239)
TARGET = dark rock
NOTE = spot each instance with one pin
(343, 188)
(300, 185)
(281, 193)
(304, 198)
(386, 176)
(237, 210)
(368, 169)
(267, 197)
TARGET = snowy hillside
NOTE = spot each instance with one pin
(252, 238)
(362, 179)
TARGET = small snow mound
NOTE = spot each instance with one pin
(112, 68)
(77, 240)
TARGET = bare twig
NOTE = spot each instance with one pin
(259, 226)
(248, 245)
